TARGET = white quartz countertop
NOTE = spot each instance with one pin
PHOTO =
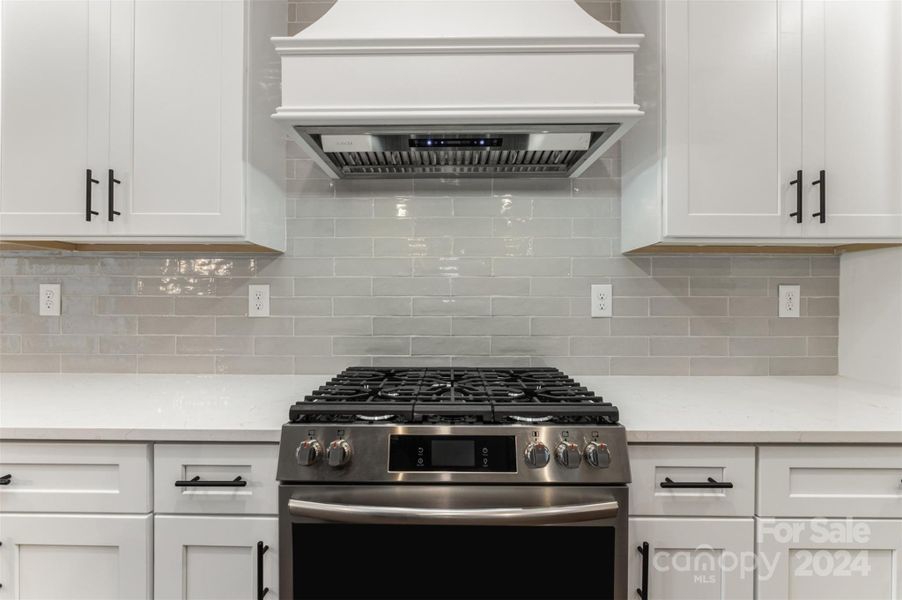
(252, 408)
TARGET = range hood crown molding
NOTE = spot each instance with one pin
(416, 25)
(443, 65)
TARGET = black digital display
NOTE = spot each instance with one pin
(487, 453)
(453, 453)
(455, 142)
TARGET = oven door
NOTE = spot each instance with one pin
(453, 542)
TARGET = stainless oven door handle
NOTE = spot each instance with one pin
(397, 515)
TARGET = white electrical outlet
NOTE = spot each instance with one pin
(258, 300)
(602, 299)
(790, 298)
(49, 299)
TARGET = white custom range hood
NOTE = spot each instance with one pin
(457, 88)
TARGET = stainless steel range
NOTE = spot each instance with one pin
(453, 483)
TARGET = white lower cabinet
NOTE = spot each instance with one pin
(222, 558)
(829, 559)
(693, 559)
(75, 557)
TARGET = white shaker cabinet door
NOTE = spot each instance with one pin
(54, 122)
(835, 559)
(75, 557)
(226, 558)
(692, 559)
(733, 118)
(177, 140)
(853, 128)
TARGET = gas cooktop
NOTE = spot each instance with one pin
(453, 396)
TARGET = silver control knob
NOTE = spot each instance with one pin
(309, 452)
(338, 454)
(568, 454)
(598, 455)
(537, 455)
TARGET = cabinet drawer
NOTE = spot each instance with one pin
(215, 467)
(689, 491)
(810, 481)
(103, 478)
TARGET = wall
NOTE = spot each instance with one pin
(427, 272)
(871, 322)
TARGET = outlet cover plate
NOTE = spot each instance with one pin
(49, 299)
(790, 298)
(601, 300)
(258, 300)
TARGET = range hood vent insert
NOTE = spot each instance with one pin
(372, 153)
(457, 88)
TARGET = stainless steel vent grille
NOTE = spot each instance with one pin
(472, 162)
(559, 150)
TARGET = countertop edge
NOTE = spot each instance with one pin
(65, 434)
(266, 436)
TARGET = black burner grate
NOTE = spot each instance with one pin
(453, 395)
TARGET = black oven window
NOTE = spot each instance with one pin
(378, 562)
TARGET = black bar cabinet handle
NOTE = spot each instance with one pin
(111, 212)
(196, 482)
(89, 179)
(822, 181)
(261, 591)
(643, 591)
(6, 479)
(711, 483)
(798, 183)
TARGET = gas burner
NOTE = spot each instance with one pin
(453, 395)
(564, 394)
(504, 392)
(399, 392)
(496, 376)
(339, 394)
(519, 419)
(376, 418)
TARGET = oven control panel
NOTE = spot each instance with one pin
(488, 454)
(425, 453)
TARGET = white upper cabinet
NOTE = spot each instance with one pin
(853, 130)
(168, 102)
(741, 98)
(724, 131)
(183, 135)
(53, 115)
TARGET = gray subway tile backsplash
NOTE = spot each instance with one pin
(432, 272)
(451, 345)
(187, 316)
(412, 325)
(490, 326)
(651, 365)
(94, 363)
(292, 346)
